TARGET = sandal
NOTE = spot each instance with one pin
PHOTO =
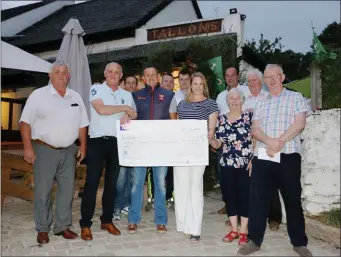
(231, 236)
(242, 239)
(195, 239)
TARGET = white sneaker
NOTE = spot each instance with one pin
(117, 217)
(125, 210)
(216, 186)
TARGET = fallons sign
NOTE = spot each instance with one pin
(183, 30)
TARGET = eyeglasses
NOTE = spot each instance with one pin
(273, 77)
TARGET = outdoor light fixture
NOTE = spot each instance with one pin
(242, 17)
(233, 10)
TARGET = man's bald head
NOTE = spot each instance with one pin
(113, 74)
(113, 64)
(231, 77)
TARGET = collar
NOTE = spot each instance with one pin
(109, 89)
(149, 88)
(282, 93)
(53, 91)
(262, 92)
(235, 87)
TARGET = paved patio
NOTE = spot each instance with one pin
(19, 238)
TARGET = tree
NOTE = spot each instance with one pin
(258, 54)
(331, 35)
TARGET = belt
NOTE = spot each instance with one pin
(108, 137)
(50, 146)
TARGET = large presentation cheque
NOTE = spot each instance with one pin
(148, 143)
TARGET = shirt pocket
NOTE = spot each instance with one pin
(73, 113)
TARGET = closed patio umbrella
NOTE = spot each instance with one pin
(73, 52)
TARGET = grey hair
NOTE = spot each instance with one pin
(256, 72)
(239, 92)
(110, 63)
(59, 63)
(269, 66)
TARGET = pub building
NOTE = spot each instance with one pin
(117, 30)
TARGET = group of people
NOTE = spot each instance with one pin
(243, 123)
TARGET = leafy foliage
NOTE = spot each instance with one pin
(258, 54)
(169, 54)
(330, 36)
(331, 83)
(160, 55)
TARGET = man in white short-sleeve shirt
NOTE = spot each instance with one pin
(53, 118)
(109, 104)
(184, 81)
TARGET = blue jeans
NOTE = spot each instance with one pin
(160, 210)
(124, 184)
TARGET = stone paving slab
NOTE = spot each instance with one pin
(18, 237)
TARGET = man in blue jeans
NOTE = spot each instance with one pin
(152, 103)
(124, 184)
(126, 176)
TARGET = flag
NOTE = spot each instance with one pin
(319, 51)
(216, 65)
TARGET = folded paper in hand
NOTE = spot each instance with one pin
(262, 155)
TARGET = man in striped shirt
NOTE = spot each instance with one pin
(277, 124)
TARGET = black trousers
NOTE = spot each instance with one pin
(100, 152)
(235, 185)
(286, 176)
(275, 209)
(169, 183)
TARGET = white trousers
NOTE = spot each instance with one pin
(189, 199)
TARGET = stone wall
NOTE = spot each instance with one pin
(321, 162)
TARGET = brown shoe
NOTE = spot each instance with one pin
(161, 228)
(67, 234)
(274, 225)
(222, 211)
(111, 229)
(86, 234)
(43, 238)
(132, 228)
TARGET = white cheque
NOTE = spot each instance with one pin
(149, 143)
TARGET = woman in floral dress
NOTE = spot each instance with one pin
(234, 136)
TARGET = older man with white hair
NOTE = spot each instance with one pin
(109, 103)
(53, 118)
(257, 93)
(276, 125)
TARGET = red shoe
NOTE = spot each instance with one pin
(231, 236)
(242, 239)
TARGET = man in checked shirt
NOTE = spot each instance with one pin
(277, 124)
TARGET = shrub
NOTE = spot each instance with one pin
(331, 83)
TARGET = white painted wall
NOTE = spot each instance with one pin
(176, 11)
(321, 162)
(18, 23)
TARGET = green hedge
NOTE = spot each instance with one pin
(331, 82)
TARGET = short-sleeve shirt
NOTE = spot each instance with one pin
(237, 147)
(54, 119)
(251, 101)
(276, 114)
(196, 110)
(177, 98)
(105, 125)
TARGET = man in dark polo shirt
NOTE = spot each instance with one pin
(152, 103)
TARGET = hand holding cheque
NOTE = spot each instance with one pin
(163, 143)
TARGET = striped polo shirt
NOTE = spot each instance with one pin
(196, 110)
